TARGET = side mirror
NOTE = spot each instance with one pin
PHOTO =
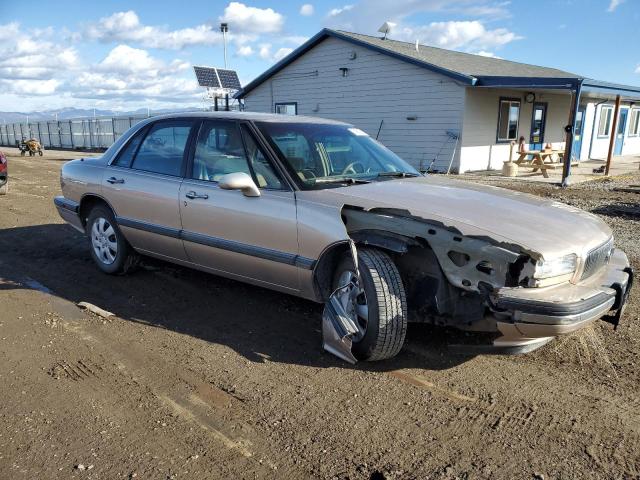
(239, 181)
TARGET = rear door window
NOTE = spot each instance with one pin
(126, 154)
(163, 149)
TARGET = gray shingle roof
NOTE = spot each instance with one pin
(463, 63)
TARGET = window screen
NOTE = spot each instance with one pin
(634, 123)
(290, 108)
(604, 127)
(508, 119)
(163, 148)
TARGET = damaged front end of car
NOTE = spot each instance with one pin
(477, 283)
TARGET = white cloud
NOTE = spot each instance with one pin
(281, 53)
(334, 12)
(614, 4)
(245, 19)
(125, 59)
(484, 53)
(307, 10)
(126, 27)
(464, 35)
(366, 16)
(244, 51)
(32, 87)
(22, 56)
(638, 68)
(265, 51)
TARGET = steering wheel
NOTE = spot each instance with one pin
(351, 168)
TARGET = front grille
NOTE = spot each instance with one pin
(597, 258)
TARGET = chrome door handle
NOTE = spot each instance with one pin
(113, 180)
(193, 195)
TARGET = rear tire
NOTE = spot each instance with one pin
(109, 249)
(386, 325)
(4, 189)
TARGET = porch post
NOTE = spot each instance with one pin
(614, 134)
(570, 130)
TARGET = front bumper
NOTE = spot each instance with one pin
(69, 211)
(527, 318)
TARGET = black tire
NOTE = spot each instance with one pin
(22, 153)
(4, 189)
(31, 154)
(40, 152)
(125, 259)
(387, 304)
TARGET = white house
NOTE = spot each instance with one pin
(435, 107)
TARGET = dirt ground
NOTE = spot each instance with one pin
(200, 377)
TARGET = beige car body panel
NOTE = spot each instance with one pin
(276, 239)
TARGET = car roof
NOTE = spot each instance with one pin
(251, 116)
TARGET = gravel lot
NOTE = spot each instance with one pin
(201, 377)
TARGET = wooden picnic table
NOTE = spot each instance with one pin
(539, 160)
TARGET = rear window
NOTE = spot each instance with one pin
(162, 150)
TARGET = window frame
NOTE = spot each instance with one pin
(604, 108)
(632, 132)
(510, 100)
(188, 170)
(278, 104)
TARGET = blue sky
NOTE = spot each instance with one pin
(129, 54)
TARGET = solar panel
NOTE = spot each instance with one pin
(229, 79)
(207, 77)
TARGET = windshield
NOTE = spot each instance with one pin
(320, 156)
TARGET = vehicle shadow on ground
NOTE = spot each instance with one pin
(625, 210)
(255, 322)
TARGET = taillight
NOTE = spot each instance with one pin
(3, 163)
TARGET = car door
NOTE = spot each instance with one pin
(143, 186)
(249, 238)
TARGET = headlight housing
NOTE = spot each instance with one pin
(556, 267)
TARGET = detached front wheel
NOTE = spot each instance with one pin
(380, 306)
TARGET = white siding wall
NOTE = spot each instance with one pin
(377, 87)
(480, 151)
(600, 148)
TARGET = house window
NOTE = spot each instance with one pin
(604, 127)
(508, 118)
(289, 108)
(634, 123)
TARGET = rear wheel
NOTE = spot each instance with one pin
(380, 306)
(4, 189)
(109, 249)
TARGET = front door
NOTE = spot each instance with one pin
(143, 187)
(538, 121)
(622, 127)
(577, 133)
(249, 238)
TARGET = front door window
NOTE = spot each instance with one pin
(538, 121)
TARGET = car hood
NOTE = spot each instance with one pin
(537, 224)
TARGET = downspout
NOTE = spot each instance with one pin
(566, 171)
(593, 127)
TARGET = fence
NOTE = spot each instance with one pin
(72, 134)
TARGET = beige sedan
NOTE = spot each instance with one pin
(318, 209)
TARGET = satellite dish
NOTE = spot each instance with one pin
(386, 28)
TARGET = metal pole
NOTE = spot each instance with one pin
(614, 134)
(224, 28)
(571, 128)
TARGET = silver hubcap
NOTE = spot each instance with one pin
(354, 303)
(103, 241)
